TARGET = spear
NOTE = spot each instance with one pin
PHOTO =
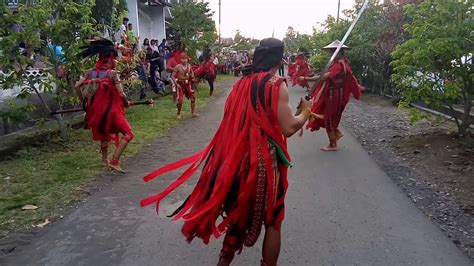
(75, 110)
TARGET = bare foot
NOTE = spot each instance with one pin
(178, 117)
(105, 162)
(195, 115)
(339, 136)
(116, 167)
(329, 148)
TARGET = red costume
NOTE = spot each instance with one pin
(244, 178)
(105, 108)
(332, 95)
(291, 69)
(186, 85)
(208, 71)
(302, 70)
(173, 61)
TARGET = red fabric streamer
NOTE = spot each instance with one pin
(228, 181)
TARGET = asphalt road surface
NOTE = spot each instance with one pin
(341, 210)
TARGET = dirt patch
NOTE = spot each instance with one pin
(432, 166)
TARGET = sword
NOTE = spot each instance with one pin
(75, 110)
(334, 55)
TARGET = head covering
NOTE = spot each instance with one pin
(207, 53)
(267, 55)
(335, 44)
(102, 47)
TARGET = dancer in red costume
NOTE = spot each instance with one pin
(302, 69)
(207, 70)
(101, 92)
(291, 67)
(173, 61)
(243, 182)
(332, 95)
(183, 76)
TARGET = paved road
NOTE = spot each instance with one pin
(341, 210)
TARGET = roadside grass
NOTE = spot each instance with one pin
(52, 174)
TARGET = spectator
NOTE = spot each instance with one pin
(146, 44)
(153, 58)
(121, 34)
(154, 45)
(132, 38)
(163, 44)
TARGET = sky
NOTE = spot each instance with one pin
(259, 18)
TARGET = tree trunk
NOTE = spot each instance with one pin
(466, 118)
(6, 126)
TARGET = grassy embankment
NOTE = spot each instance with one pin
(53, 174)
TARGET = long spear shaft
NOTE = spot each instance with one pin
(75, 110)
(334, 55)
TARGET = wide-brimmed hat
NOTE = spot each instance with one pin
(336, 44)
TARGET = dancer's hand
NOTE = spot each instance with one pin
(304, 103)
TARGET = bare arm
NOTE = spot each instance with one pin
(118, 85)
(289, 123)
(77, 88)
(316, 77)
(173, 76)
(79, 84)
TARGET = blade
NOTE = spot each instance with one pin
(359, 15)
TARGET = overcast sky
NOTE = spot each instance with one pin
(258, 18)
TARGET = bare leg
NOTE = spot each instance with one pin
(332, 142)
(179, 105)
(339, 134)
(232, 243)
(104, 150)
(193, 108)
(115, 162)
(271, 246)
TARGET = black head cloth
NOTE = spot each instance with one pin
(267, 55)
(101, 47)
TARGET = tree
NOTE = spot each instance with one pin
(294, 41)
(243, 43)
(436, 64)
(39, 27)
(193, 26)
(108, 13)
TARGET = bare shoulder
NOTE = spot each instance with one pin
(284, 94)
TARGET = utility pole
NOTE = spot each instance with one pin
(338, 10)
(220, 40)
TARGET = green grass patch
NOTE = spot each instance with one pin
(53, 174)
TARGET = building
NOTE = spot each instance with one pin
(149, 17)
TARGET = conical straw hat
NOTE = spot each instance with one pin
(335, 44)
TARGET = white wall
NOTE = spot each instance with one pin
(132, 6)
(148, 21)
(152, 22)
(158, 23)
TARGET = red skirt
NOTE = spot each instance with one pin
(185, 90)
(330, 103)
(106, 114)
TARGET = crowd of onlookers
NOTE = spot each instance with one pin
(152, 53)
